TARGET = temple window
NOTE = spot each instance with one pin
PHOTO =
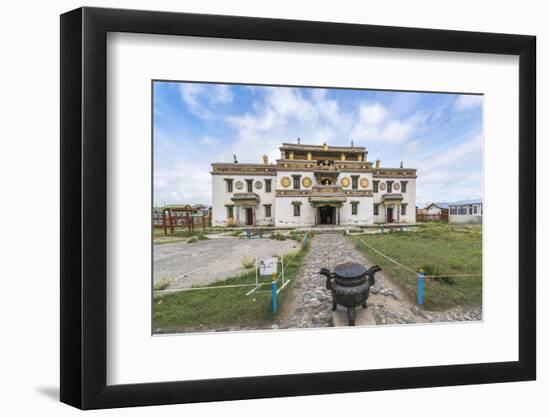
(229, 212)
(355, 182)
(404, 186)
(375, 186)
(267, 186)
(389, 186)
(296, 182)
(249, 188)
(354, 205)
(267, 208)
(403, 209)
(375, 212)
(229, 185)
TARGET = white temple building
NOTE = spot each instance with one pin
(312, 185)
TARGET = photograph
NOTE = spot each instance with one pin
(279, 207)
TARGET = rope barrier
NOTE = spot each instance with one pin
(412, 270)
(453, 276)
(388, 258)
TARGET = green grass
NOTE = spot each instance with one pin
(218, 308)
(439, 250)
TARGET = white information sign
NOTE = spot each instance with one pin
(268, 266)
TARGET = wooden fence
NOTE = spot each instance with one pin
(442, 216)
(187, 218)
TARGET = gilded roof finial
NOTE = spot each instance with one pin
(325, 146)
(401, 165)
(298, 140)
(235, 159)
(291, 156)
(309, 156)
(265, 159)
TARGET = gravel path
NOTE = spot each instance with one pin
(310, 302)
(206, 261)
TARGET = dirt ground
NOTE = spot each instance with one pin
(206, 261)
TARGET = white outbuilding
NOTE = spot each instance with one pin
(466, 211)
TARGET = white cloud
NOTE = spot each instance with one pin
(189, 94)
(466, 102)
(222, 94)
(376, 124)
(283, 115)
(372, 114)
(200, 99)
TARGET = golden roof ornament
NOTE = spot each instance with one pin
(325, 146)
(291, 156)
(309, 156)
(360, 157)
(265, 159)
(343, 157)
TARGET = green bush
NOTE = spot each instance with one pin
(278, 236)
(430, 269)
(193, 240)
(162, 284)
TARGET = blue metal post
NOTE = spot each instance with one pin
(248, 234)
(421, 287)
(261, 233)
(401, 228)
(274, 293)
(382, 229)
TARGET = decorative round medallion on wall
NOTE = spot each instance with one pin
(285, 182)
(396, 186)
(345, 182)
(258, 185)
(364, 183)
(239, 185)
(383, 186)
(306, 182)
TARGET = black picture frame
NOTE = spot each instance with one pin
(84, 207)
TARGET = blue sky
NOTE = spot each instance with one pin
(196, 124)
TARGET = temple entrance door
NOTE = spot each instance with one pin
(249, 217)
(389, 217)
(326, 215)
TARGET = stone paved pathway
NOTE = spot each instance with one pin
(309, 303)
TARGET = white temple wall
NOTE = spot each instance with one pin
(364, 216)
(221, 197)
(285, 212)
